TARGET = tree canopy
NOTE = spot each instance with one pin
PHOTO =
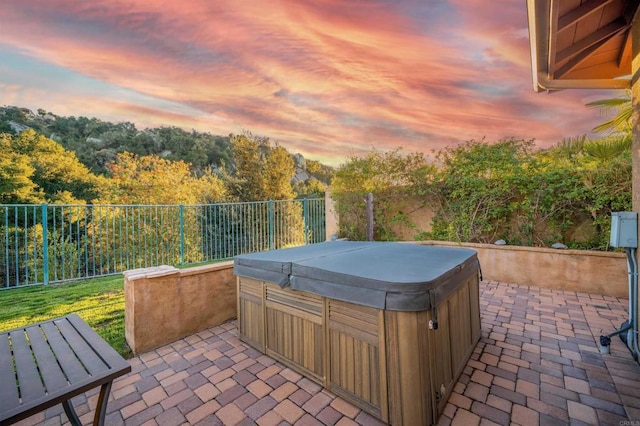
(262, 171)
(90, 160)
(150, 179)
(37, 169)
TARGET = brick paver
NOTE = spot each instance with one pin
(537, 362)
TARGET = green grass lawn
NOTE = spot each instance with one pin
(100, 302)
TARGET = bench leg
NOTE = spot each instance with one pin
(101, 408)
(71, 413)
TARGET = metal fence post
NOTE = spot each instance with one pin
(271, 226)
(181, 234)
(45, 245)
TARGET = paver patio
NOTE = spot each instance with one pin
(536, 363)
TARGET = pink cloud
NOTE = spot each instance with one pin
(323, 77)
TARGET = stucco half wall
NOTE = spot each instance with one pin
(164, 304)
(582, 271)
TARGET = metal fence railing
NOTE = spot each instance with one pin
(41, 244)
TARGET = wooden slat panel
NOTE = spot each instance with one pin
(474, 309)
(382, 388)
(296, 339)
(51, 374)
(250, 312)
(459, 326)
(393, 359)
(307, 316)
(355, 369)
(364, 383)
(8, 389)
(295, 299)
(411, 370)
(31, 387)
(441, 351)
(71, 367)
(250, 287)
(85, 354)
(251, 326)
(359, 321)
(410, 350)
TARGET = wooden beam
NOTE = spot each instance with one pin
(554, 11)
(581, 12)
(625, 52)
(576, 60)
(631, 10)
(603, 33)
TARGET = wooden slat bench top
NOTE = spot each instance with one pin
(50, 362)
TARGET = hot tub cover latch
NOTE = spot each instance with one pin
(433, 324)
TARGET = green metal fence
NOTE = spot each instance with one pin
(43, 244)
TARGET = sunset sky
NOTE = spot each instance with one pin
(325, 78)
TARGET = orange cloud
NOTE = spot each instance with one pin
(326, 78)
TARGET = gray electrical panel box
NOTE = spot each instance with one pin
(624, 229)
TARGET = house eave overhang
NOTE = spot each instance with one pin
(543, 21)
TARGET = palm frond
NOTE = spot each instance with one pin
(608, 148)
(569, 147)
(621, 107)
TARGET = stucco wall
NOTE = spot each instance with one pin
(582, 271)
(164, 304)
(330, 216)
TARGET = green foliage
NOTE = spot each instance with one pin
(262, 171)
(153, 180)
(506, 191)
(16, 172)
(475, 188)
(483, 191)
(97, 144)
(320, 171)
(38, 169)
(311, 188)
(608, 148)
(392, 178)
(622, 109)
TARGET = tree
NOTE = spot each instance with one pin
(311, 188)
(54, 171)
(153, 180)
(16, 186)
(263, 172)
(320, 171)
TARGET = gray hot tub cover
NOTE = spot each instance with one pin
(275, 265)
(393, 276)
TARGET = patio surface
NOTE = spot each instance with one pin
(537, 363)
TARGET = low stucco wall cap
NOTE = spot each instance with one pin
(154, 271)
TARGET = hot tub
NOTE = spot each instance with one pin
(387, 326)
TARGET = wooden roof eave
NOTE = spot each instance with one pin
(541, 39)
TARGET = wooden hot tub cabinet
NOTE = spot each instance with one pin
(394, 363)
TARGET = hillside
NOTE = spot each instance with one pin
(96, 142)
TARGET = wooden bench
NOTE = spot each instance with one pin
(50, 362)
